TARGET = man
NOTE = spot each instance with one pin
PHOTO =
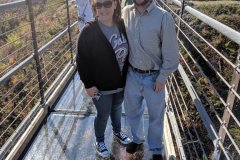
(84, 12)
(153, 57)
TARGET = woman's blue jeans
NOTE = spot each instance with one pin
(108, 105)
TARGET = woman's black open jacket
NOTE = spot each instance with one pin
(96, 60)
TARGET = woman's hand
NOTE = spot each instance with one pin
(92, 91)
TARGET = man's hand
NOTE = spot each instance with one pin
(92, 91)
(158, 86)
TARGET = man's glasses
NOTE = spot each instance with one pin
(106, 4)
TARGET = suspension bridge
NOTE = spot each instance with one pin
(46, 114)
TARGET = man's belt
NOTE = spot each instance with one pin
(143, 71)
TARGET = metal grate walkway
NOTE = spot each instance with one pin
(68, 131)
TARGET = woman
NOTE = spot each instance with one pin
(102, 64)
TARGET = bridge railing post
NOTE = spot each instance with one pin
(230, 99)
(69, 30)
(181, 15)
(35, 49)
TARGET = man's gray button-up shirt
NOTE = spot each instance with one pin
(152, 39)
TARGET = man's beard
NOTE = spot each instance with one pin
(141, 4)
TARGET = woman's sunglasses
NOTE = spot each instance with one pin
(106, 4)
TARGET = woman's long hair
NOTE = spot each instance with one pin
(116, 14)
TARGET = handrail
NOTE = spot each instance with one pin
(60, 82)
(207, 98)
(225, 30)
(177, 103)
(200, 107)
(175, 129)
(28, 60)
(22, 100)
(15, 4)
(191, 120)
(209, 44)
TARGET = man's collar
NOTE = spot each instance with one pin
(147, 10)
(150, 7)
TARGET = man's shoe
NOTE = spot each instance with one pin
(101, 149)
(157, 157)
(133, 147)
(122, 137)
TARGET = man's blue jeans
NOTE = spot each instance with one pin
(139, 87)
(108, 105)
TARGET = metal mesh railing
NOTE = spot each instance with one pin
(35, 47)
(201, 89)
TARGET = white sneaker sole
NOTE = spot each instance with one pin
(102, 155)
(122, 142)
